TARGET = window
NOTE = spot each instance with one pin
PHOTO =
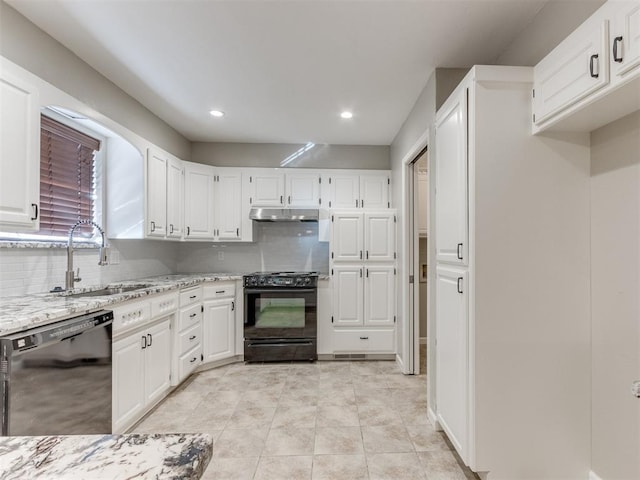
(67, 178)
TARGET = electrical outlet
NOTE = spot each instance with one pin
(114, 257)
(220, 255)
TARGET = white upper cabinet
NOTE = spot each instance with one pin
(19, 154)
(268, 188)
(379, 295)
(451, 181)
(303, 189)
(576, 68)
(156, 193)
(347, 237)
(380, 237)
(198, 199)
(345, 190)
(374, 190)
(625, 38)
(175, 198)
(228, 204)
(358, 189)
(593, 77)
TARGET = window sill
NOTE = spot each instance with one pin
(11, 244)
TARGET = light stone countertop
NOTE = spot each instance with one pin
(18, 313)
(106, 457)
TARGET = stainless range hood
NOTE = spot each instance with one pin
(284, 214)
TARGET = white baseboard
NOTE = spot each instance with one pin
(423, 340)
(593, 476)
(434, 419)
(399, 363)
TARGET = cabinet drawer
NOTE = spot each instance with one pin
(364, 340)
(189, 361)
(190, 296)
(189, 317)
(190, 338)
(219, 290)
(164, 305)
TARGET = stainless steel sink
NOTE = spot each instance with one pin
(113, 290)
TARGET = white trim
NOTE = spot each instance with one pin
(433, 418)
(593, 476)
(400, 363)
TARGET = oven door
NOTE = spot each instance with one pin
(280, 313)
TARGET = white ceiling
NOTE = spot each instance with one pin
(281, 70)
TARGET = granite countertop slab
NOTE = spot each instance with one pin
(18, 313)
(102, 457)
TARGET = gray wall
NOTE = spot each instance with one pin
(272, 154)
(283, 246)
(26, 45)
(553, 23)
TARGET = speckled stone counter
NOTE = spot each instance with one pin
(102, 457)
(29, 311)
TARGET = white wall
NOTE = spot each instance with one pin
(375, 157)
(615, 298)
(26, 45)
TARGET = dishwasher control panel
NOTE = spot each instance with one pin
(127, 317)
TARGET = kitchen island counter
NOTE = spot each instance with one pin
(102, 457)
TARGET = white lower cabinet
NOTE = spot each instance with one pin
(141, 372)
(363, 340)
(452, 357)
(187, 339)
(219, 321)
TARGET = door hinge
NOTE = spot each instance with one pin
(331, 217)
(320, 180)
(201, 308)
(250, 201)
(394, 255)
(331, 318)
(319, 201)
(533, 92)
(329, 180)
(534, 117)
(388, 204)
(395, 220)
(394, 271)
(388, 181)
(394, 319)
(329, 203)
(332, 271)
(331, 254)
(411, 279)
(250, 179)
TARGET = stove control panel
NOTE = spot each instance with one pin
(283, 280)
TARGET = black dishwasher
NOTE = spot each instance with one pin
(56, 379)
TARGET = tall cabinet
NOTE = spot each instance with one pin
(511, 283)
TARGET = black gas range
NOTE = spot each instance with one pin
(280, 316)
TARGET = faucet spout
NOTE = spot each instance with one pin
(70, 276)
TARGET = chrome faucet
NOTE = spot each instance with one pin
(70, 277)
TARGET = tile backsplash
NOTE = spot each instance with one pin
(37, 270)
(277, 246)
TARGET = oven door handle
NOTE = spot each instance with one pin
(253, 291)
(287, 344)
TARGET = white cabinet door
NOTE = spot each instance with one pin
(228, 204)
(19, 155)
(175, 198)
(374, 190)
(452, 361)
(574, 69)
(347, 237)
(345, 190)
(625, 39)
(218, 329)
(347, 281)
(379, 295)
(198, 208)
(268, 189)
(303, 190)
(379, 237)
(128, 381)
(451, 181)
(157, 360)
(156, 193)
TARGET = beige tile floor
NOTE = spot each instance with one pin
(321, 421)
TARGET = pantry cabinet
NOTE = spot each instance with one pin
(199, 201)
(357, 236)
(504, 287)
(19, 154)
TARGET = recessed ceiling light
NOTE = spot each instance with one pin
(346, 114)
(217, 113)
